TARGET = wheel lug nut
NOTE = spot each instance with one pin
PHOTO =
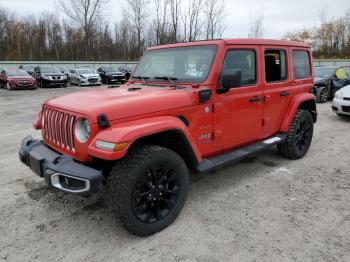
(154, 199)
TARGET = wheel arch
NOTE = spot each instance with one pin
(166, 131)
(305, 101)
(173, 139)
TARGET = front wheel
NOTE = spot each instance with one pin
(148, 189)
(299, 136)
(322, 95)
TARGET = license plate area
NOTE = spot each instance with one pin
(36, 163)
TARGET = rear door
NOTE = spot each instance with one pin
(278, 87)
(237, 114)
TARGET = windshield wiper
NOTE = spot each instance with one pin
(169, 78)
(142, 78)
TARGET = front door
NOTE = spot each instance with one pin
(237, 117)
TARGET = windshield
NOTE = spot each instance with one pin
(184, 64)
(50, 69)
(110, 69)
(84, 71)
(323, 71)
(17, 73)
(28, 67)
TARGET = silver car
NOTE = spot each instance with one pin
(341, 101)
(84, 77)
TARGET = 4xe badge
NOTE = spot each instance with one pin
(204, 138)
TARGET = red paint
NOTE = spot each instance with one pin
(227, 121)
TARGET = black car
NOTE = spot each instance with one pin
(65, 71)
(47, 76)
(329, 80)
(111, 75)
(28, 68)
(127, 71)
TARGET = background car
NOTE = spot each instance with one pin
(329, 80)
(111, 75)
(341, 101)
(127, 71)
(49, 76)
(28, 68)
(84, 76)
(65, 71)
(16, 79)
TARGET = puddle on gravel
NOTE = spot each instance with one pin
(269, 163)
(99, 204)
(36, 190)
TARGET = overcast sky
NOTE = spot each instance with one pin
(280, 16)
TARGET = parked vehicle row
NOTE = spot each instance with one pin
(31, 76)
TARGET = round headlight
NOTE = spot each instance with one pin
(82, 130)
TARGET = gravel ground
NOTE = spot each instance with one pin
(263, 209)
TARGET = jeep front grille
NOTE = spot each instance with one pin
(58, 128)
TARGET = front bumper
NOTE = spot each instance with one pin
(116, 79)
(341, 106)
(55, 82)
(58, 170)
(90, 82)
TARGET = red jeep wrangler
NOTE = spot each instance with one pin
(189, 106)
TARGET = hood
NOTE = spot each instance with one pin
(118, 103)
(319, 79)
(345, 91)
(53, 74)
(20, 78)
(89, 75)
(115, 73)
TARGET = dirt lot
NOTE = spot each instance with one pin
(264, 209)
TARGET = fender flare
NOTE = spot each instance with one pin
(132, 131)
(294, 106)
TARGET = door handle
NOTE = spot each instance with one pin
(255, 99)
(284, 93)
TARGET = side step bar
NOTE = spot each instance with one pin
(238, 154)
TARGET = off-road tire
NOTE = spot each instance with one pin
(122, 181)
(322, 95)
(289, 147)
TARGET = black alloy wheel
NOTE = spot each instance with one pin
(155, 194)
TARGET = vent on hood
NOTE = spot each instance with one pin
(134, 89)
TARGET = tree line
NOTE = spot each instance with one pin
(81, 31)
(331, 39)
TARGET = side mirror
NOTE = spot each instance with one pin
(231, 78)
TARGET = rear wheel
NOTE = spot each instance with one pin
(42, 85)
(299, 136)
(148, 189)
(322, 95)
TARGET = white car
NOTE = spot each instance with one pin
(84, 76)
(341, 101)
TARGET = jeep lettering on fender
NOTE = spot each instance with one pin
(187, 107)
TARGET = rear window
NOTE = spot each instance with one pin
(301, 64)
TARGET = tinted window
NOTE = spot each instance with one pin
(275, 65)
(243, 60)
(301, 64)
